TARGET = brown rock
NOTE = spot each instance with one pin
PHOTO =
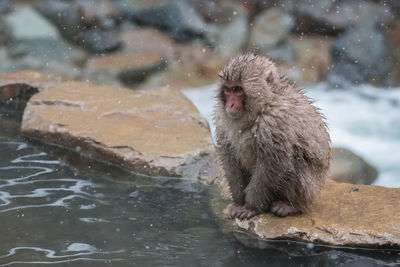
(194, 67)
(344, 215)
(131, 68)
(350, 168)
(313, 59)
(155, 132)
(17, 87)
(147, 39)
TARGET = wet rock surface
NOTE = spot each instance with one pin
(154, 132)
(350, 168)
(344, 215)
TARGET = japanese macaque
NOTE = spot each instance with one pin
(273, 142)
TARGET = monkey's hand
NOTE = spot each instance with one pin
(242, 212)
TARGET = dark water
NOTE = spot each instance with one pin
(53, 213)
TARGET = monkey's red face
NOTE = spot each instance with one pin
(234, 97)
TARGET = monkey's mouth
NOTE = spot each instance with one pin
(234, 114)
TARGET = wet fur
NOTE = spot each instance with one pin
(277, 153)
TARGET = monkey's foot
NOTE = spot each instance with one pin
(282, 209)
(243, 213)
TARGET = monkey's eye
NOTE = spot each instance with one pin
(237, 89)
(226, 89)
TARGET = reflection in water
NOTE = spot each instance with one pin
(51, 214)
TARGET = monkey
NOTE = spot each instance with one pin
(273, 142)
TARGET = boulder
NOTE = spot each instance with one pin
(312, 59)
(394, 53)
(89, 25)
(343, 215)
(27, 23)
(5, 32)
(360, 55)
(54, 56)
(176, 17)
(16, 88)
(332, 17)
(129, 68)
(193, 67)
(5, 6)
(154, 132)
(270, 27)
(228, 28)
(148, 39)
(350, 168)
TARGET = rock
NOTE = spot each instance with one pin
(350, 168)
(229, 29)
(131, 69)
(193, 67)
(332, 17)
(344, 215)
(5, 33)
(46, 50)
(55, 56)
(154, 132)
(16, 88)
(147, 39)
(270, 27)
(394, 53)
(176, 17)
(27, 23)
(5, 6)
(312, 59)
(78, 22)
(359, 56)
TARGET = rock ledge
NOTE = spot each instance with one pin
(344, 215)
(155, 132)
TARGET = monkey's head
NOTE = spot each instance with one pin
(246, 83)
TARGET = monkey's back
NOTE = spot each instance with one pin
(296, 147)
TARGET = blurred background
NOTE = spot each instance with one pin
(344, 53)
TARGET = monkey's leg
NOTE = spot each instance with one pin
(257, 195)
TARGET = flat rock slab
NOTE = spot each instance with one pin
(155, 132)
(344, 215)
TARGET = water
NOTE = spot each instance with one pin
(364, 119)
(66, 210)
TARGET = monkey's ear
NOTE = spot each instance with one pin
(270, 78)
